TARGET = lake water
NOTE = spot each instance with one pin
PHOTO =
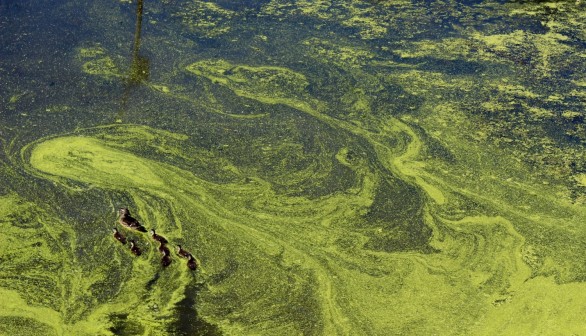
(334, 167)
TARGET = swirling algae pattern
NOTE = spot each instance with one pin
(273, 262)
(354, 222)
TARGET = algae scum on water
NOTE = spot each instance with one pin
(337, 168)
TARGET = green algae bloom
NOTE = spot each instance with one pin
(336, 168)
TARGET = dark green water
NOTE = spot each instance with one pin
(336, 167)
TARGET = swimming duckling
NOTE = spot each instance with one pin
(126, 220)
(134, 249)
(119, 237)
(166, 260)
(182, 253)
(191, 263)
(157, 237)
(164, 250)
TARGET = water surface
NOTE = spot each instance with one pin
(336, 167)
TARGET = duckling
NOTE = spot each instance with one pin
(182, 253)
(134, 249)
(164, 250)
(157, 237)
(191, 263)
(166, 260)
(119, 237)
(126, 220)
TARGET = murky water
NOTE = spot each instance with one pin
(335, 167)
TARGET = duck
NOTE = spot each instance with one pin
(157, 237)
(191, 263)
(126, 220)
(134, 249)
(182, 253)
(164, 250)
(119, 237)
(166, 260)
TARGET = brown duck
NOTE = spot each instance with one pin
(118, 236)
(134, 249)
(126, 220)
(182, 253)
(191, 263)
(164, 250)
(157, 237)
(166, 260)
